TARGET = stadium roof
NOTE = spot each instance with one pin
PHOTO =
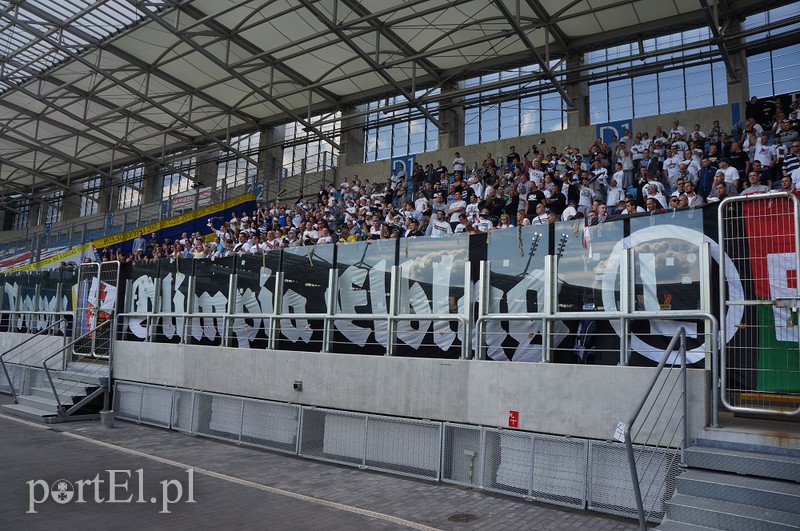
(88, 85)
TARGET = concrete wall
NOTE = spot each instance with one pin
(576, 400)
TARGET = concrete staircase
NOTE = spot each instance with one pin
(81, 384)
(732, 482)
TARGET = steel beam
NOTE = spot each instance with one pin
(242, 79)
(371, 62)
(723, 50)
(532, 49)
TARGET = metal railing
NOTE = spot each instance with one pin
(31, 344)
(641, 462)
(86, 378)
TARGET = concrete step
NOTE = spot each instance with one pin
(48, 404)
(718, 514)
(92, 379)
(767, 493)
(28, 412)
(66, 397)
(745, 463)
(671, 525)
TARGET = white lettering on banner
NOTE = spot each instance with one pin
(172, 300)
(297, 304)
(43, 303)
(443, 335)
(349, 299)
(778, 266)
(665, 232)
(143, 292)
(206, 303)
(261, 304)
(412, 297)
(377, 295)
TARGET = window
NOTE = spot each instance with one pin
(175, 183)
(683, 85)
(56, 200)
(22, 217)
(130, 193)
(774, 72)
(234, 170)
(305, 151)
(404, 130)
(527, 108)
(91, 205)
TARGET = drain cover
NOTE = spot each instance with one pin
(462, 517)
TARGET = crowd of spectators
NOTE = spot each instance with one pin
(656, 171)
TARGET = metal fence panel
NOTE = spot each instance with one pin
(462, 455)
(270, 425)
(508, 462)
(156, 406)
(183, 411)
(610, 489)
(403, 446)
(219, 416)
(128, 400)
(336, 436)
(559, 470)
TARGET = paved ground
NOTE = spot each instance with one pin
(232, 487)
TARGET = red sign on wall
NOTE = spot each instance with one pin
(513, 419)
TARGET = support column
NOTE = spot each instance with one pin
(738, 91)
(451, 116)
(71, 206)
(578, 91)
(270, 162)
(351, 139)
(152, 183)
(109, 196)
(206, 171)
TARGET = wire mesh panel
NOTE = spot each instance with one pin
(183, 411)
(403, 446)
(270, 425)
(462, 455)
(559, 470)
(610, 487)
(156, 406)
(336, 436)
(508, 462)
(219, 416)
(128, 400)
(761, 361)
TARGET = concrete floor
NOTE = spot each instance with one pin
(233, 487)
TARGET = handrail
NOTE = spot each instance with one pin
(326, 318)
(3, 362)
(679, 339)
(60, 351)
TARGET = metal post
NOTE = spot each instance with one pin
(226, 322)
(394, 302)
(327, 331)
(685, 404)
(187, 322)
(466, 333)
(276, 311)
(637, 492)
(483, 308)
(625, 302)
(550, 301)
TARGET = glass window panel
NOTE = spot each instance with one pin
(598, 103)
(699, 89)
(471, 126)
(363, 269)
(671, 92)
(529, 116)
(432, 280)
(490, 116)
